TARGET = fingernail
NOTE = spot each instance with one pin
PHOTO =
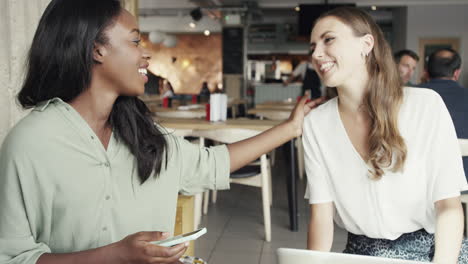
(165, 234)
(186, 244)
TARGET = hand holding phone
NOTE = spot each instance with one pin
(180, 238)
(136, 248)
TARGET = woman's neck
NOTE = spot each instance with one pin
(351, 95)
(95, 105)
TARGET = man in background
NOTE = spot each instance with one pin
(443, 71)
(310, 79)
(406, 61)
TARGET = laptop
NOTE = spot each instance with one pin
(302, 256)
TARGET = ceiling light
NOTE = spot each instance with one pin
(196, 14)
(185, 63)
(297, 8)
(206, 32)
(373, 8)
(156, 36)
(192, 25)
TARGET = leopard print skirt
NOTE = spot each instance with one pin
(418, 245)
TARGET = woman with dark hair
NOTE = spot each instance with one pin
(383, 161)
(87, 171)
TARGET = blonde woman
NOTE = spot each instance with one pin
(86, 176)
(383, 161)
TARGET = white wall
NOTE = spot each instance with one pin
(438, 21)
(18, 22)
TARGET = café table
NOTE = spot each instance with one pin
(277, 105)
(254, 124)
(185, 112)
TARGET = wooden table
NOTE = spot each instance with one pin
(193, 111)
(202, 124)
(277, 105)
(254, 124)
(272, 114)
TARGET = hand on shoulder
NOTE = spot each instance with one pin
(302, 108)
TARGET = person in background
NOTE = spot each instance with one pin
(204, 95)
(166, 90)
(153, 84)
(205, 91)
(310, 80)
(383, 161)
(443, 71)
(87, 176)
(406, 61)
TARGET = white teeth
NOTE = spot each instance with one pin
(326, 66)
(143, 71)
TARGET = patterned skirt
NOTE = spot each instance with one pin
(418, 245)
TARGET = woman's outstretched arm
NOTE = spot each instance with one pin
(243, 152)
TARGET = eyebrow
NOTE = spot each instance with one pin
(321, 37)
(135, 30)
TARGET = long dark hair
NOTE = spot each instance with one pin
(59, 65)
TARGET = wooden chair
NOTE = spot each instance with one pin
(261, 179)
(198, 198)
(273, 114)
(284, 115)
(464, 197)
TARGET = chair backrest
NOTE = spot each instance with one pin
(463, 146)
(274, 115)
(282, 107)
(226, 135)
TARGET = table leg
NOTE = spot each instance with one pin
(292, 188)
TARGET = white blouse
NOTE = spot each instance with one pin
(400, 202)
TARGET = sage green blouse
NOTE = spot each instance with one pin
(61, 191)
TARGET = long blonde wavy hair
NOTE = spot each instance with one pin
(387, 148)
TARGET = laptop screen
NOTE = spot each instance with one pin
(301, 256)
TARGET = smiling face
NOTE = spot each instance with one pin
(123, 62)
(337, 52)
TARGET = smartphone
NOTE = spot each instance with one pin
(180, 238)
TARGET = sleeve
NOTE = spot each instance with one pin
(202, 168)
(445, 161)
(17, 242)
(300, 70)
(318, 187)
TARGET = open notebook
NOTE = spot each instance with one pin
(301, 256)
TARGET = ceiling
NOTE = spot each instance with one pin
(213, 7)
(174, 15)
(182, 4)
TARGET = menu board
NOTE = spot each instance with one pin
(233, 50)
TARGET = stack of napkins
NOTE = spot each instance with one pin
(218, 107)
